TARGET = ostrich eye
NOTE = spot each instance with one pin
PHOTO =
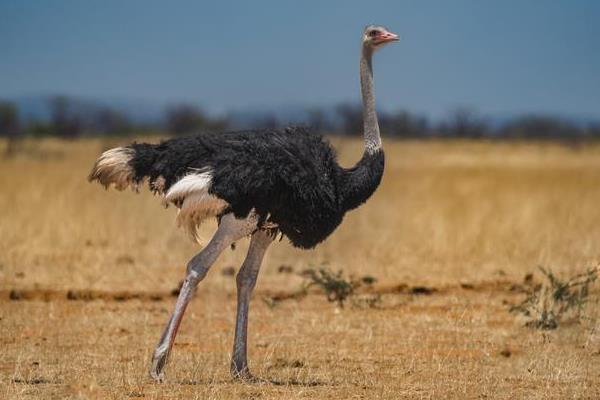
(373, 33)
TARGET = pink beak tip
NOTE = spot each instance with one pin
(389, 36)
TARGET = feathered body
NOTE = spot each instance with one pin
(289, 177)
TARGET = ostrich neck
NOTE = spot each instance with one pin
(370, 123)
(358, 183)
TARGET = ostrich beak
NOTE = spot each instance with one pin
(388, 37)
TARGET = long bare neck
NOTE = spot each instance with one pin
(358, 183)
(370, 123)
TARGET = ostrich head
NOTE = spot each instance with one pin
(375, 37)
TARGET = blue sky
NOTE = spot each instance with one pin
(498, 57)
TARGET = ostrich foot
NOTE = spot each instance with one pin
(159, 360)
(244, 375)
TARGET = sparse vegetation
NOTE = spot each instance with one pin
(452, 226)
(339, 288)
(549, 302)
(336, 287)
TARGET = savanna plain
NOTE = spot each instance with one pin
(88, 276)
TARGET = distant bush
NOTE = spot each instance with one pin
(65, 121)
(404, 124)
(9, 119)
(350, 120)
(70, 117)
(542, 127)
(464, 123)
(184, 118)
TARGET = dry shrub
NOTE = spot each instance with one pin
(338, 288)
(547, 303)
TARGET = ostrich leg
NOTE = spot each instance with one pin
(246, 280)
(230, 230)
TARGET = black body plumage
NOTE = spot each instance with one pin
(290, 176)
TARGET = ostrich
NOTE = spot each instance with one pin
(257, 184)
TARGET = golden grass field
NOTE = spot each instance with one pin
(86, 276)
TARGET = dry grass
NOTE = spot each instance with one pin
(468, 219)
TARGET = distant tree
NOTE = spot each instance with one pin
(63, 121)
(351, 118)
(265, 121)
(464, 122)
(9, 125)
(108, 121)
(593, 130)
(38, 128)
(9, 119)
(404, 124)
(318, 121)
(183, 119)
(535, 126)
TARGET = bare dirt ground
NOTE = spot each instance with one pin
(86, 281)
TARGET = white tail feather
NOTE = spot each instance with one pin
(112, 168)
